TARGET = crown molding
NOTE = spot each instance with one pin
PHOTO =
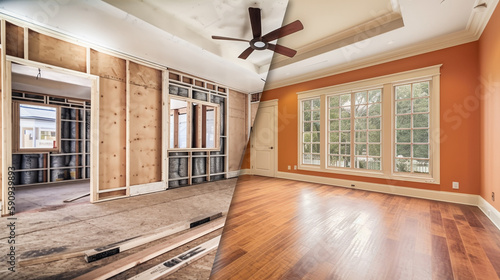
(374, 27)
(475, 27)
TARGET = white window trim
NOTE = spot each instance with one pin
(387, 82)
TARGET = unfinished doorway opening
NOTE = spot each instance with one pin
(50, 147)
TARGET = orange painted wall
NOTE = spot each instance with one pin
(489, 61)
(460, 121)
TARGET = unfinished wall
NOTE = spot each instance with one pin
(15, 40)
(139, 120)
(237, 124)
(56, 52)
(112, 120)
(145, 124)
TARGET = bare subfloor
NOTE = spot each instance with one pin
(64, 228)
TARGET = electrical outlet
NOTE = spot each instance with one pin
(493, 196)
(455, 186)
(289, 167)
(295, 167)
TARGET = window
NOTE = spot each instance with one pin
(193, 125)
(340, 130)
(364, 124)
(412, 128)
(311, 116)
(36, 127)
(380, 127)
(367, 129)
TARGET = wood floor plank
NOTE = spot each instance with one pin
(283, 229)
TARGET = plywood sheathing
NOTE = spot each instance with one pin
(56, 52)
(237, 123)
(145, 124)
(112, 121)
(15, 40)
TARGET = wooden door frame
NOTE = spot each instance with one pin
(7, 123)
(263, 104)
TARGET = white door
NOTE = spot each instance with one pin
(263, 149)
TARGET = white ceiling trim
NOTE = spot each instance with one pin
(377, 26)
(475, 27)
(382, 24)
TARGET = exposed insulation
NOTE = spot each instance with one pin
(145, 124)
(178, 168)
(56, 52)
(15, 40)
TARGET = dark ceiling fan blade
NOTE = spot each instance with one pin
(229, 39)
(246, 53)
(283, 31)
(255, 21)
(282, 50)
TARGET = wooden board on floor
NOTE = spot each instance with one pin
(145, 124)
(118, 247)
(172, 265)
(237, 124)
(45, 49)
(76, 197)
(15, 40)
(121, 265)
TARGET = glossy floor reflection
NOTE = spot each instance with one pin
(282, 229)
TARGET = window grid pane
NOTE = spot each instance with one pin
(339, 130)
(361, 110)
(311, 116)
(367, 129)
(412, 129)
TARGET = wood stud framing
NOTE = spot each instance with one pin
(116, 90)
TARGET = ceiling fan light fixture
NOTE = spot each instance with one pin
(260, 42)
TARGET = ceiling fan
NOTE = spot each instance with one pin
(260, 42)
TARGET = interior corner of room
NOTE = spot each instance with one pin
(377, 158)
(454, 162)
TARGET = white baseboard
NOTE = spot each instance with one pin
(147, 188)
(246, 172)
(489, 211)
(233, 174)
(469, 199)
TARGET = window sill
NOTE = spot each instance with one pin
(372, 174)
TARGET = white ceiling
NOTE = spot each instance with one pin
(29, 79)
(337, 36)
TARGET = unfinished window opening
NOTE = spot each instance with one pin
(178, 124)
(198, 133)
(36, 127)
(193, 125)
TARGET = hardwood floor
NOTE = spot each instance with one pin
(282, 229)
